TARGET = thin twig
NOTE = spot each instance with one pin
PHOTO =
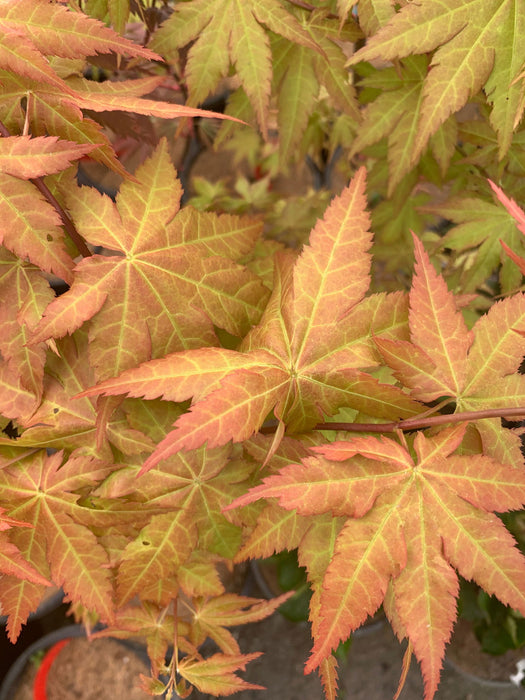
(409, 423)
(415, 423)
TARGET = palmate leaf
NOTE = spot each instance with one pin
(224, 32)
(481, 227)
(192, 488)
(476, 369)
(299, 72)
(169, 283)
(41, 491)
(303, 360)
(395, 113)
(431, 515)
(478, 44)
(217, 674)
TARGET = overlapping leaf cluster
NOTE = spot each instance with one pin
(169, 408)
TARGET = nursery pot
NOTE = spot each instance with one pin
(64, 665)
(465, 655)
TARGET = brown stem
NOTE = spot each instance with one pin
(415, 423)
(39, 183)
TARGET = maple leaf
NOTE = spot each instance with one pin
(169, 283)
(56, 29)
(476, 369)
(216, 674)
(410, 522)
(27, 157)
(19, 317)
(224, 32)
(212, 617)
(481, 227)
(41, 490)
(298, 73)
(302, 361)
(395, 113)
(478, 46)
(32, 29)
(192, 488)
(518, 216)
(31, 228)
(60, 423)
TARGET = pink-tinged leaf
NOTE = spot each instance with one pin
(479, 546)
(331, 274)
(318, 486)
(165, 294)
(520, 262)
(29, 294)
(181, 375)
(498, 349)
(378, 449)
(368, 552)
(425, 590)
(413, 368)
(510, 205)
(101, 102)
(16, 402)
(216, 674)
(161, 547)
(30, 227)
(436, 322)
(58, 30)
(26, 157)
(38, 491)
(13, 564)
(18, 54)
(219, 418)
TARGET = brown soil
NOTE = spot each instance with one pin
(108, 671)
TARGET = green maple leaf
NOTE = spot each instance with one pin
(478, 44)
(481, 228)
(476, 369)
(299, 72)
(170, 281)
(224, 32)
(302, 361)
(395, 113)
(411, 520)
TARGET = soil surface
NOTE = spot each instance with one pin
(107, 670)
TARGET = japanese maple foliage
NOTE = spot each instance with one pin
(200, 393)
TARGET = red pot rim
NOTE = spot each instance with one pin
(39, 687)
